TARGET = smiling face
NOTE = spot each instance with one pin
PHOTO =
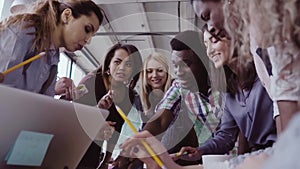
(156, 74)
(188, 68)
(218, 50)
(120, 66)
(77, 32)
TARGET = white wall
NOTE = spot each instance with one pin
(1, 7)
(4, 8)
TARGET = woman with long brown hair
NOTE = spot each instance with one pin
(49, 26)
(111, 85)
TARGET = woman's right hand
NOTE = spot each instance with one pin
(106, 101)
(133, 147)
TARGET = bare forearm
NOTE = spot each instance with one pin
(159, 122)
(278, 125)
(287, 110)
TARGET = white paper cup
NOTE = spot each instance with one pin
(215, 161)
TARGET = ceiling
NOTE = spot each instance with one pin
(147, 24)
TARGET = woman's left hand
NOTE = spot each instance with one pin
(106, 101)
(65, 86)
(107, 131)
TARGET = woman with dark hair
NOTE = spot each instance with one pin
(50, 25)
(248, 107)
(109, 86)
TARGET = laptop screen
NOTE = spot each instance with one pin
(69, 127)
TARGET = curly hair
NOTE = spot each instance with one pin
(279, 21)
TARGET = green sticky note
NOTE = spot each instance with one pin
(29, 149)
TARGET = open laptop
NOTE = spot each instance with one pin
(73, 126)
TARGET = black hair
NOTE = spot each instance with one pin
(192, 40)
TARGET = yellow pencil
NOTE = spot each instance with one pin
(146, 145)
(179, 154)
(23, 63)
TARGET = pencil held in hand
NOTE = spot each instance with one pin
(178, 154)
(23, 63)
(145, 144)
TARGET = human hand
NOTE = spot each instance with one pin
(190, 153)
(65, 86)
(253, 162)
(121, 162)
(109, 130)
(176, 156)
(106, 101)
(133, 147)
(1, 77)
(106, 132)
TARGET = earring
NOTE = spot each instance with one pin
(107, 72)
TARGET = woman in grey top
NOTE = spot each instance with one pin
(48, 27)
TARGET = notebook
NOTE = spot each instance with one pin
(68, 129)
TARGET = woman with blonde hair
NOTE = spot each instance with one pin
(155, 81)
(49, 26)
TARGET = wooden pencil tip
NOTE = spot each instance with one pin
(42, 53)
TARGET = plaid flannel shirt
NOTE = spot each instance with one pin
(205, 117)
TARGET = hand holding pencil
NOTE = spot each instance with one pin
(2, 74)
(144, 143)
(134, 147)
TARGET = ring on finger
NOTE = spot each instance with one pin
(135, 149)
